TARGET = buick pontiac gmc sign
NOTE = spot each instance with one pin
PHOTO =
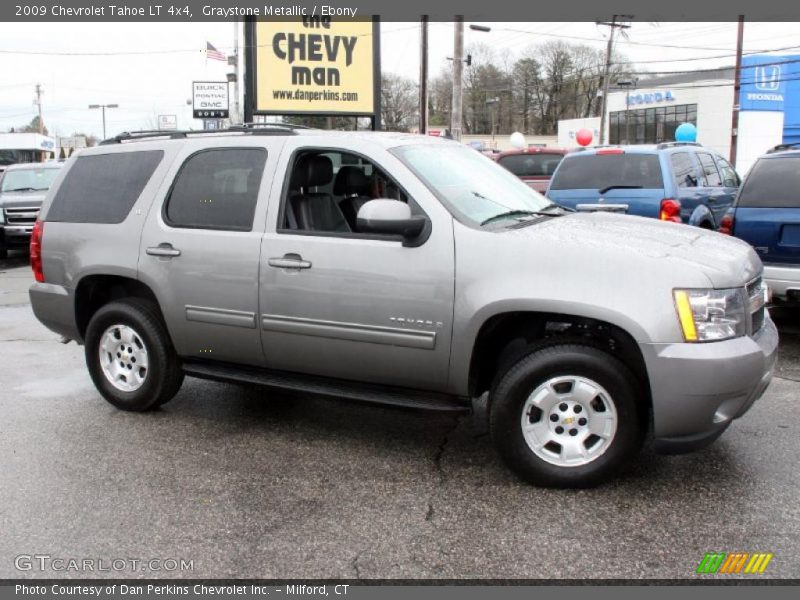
(210, 99)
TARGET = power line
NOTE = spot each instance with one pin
(158, 52)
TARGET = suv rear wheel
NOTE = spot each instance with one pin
(130, 356)
(566, 415)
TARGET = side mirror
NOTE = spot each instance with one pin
(389, 217)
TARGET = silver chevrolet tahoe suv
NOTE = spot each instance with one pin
(402, 270)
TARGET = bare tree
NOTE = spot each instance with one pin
(399, 105)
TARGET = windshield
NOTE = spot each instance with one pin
(28, 179)
(531, 165)
(600, 171)
(473, 187)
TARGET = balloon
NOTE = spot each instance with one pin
(517, 140)
(686, 132)
(584, 137)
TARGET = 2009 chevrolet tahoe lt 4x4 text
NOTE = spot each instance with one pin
(404, 270)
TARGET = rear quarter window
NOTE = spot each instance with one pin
(683, 168)
(102, 188)
(772, 183)
(598, 171)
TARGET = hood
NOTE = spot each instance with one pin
(630, 241)
(22, 199)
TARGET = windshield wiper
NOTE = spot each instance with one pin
(619, 187)
(544, 209)
(22, 189)
(510, 213)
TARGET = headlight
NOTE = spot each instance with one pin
(711, 315)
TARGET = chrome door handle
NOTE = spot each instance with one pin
(289, 261)
(164, 249)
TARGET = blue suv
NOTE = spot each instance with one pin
(675, 181)
(766, 214)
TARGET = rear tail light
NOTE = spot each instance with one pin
(670, 210)
(726, 224)
(36, 250)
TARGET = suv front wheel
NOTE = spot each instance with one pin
(130, 356)
(566, 415)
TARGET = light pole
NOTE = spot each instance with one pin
(103, 107)
(627, 84)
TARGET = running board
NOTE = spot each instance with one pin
(321, 386)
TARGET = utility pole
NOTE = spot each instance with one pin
(38, 102)
(737, 86)
(423, 75)
(458, 69)
(39, 93)
(613, 25)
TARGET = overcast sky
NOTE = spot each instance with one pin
(158, 80)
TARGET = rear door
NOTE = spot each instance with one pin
(768, 209)
(201, 242)
(690, 188)
(610, 176)
(714, 193)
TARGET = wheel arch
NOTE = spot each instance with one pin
(703, 217)
(96, 290)
(504, 336)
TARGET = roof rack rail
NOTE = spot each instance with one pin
(583, 148)
(782, 147)
(663, 145)
(257, 125)
(244, 128)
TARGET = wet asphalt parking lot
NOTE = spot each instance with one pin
(249, 483)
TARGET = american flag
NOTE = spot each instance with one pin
(213, 53)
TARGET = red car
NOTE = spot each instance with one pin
(533, 165)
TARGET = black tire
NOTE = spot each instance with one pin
(164, 375)
(512, 388)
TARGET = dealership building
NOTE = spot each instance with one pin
(25, 147)
(649, 110)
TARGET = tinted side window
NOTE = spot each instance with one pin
(713, 178)
(531, 165)
(729, 176)
(217, 189)
(683, 169)
(102, 188)
(772, 183)
(597, 171)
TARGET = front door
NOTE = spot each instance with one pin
(200, 249)
(349, 305)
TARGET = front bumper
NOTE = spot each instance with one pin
(783, 279)
(17, 235)
(698, 389)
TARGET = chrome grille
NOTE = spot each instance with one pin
(22, 215)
